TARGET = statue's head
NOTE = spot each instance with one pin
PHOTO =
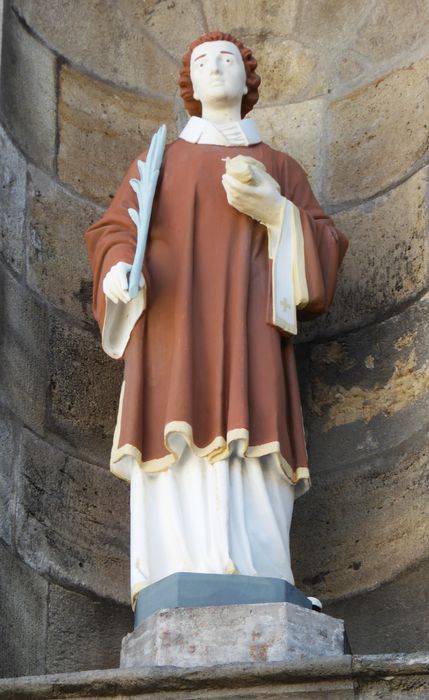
(218, 66)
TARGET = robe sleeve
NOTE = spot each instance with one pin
(110, 240)
(324, 245)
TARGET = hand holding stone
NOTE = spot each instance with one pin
(251, 190)
(115, 283)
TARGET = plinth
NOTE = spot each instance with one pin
(222, 634)
(189, 620)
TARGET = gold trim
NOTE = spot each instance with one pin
(215, 451)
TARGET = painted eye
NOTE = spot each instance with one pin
(228, 60)
(201, 65)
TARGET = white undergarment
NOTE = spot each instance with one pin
(229, 517)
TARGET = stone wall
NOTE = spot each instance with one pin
(345, 91)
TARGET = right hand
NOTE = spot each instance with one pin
(115, 283)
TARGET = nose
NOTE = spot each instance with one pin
(214, 67)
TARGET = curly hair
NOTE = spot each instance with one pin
(192, 106)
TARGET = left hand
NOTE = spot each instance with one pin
(259, 197)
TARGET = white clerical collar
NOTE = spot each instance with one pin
(242, 133)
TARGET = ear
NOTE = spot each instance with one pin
(195, 96)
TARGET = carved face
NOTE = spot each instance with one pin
(217, 73)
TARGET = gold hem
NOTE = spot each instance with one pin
(217, 450)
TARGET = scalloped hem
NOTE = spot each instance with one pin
(217, 450)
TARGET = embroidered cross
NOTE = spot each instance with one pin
(284, 304)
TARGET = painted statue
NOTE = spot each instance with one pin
(209, 431)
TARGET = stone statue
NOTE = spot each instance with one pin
(209, 431)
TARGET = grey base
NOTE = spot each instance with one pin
(186, 590)
(187, 637)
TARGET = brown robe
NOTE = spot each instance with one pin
(203, 359)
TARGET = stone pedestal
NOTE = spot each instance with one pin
(221, 634)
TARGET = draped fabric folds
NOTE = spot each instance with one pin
(204, 360)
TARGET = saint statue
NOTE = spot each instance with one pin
(209, 431)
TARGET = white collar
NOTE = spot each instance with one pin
(242, 133)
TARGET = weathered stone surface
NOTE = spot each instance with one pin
(302, 77)
(377, 133)
(391, 618)
(23, 596)
(295, 129)
(369, 389)
(84, 633)
(329, 30)
(102, 130)
(366, 409)
(8, 456)
(387, 260)
(187, 637)
(58, 266)
(12, 204)
(28, 92)
(350, 65)
(109, 38)
(72, 520)
(84, 387)
(358, 528)
(172, 25)
(247, 17)
(333, 678)
(391, 27)
(23, 352)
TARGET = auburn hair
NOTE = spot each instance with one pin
(193, 106)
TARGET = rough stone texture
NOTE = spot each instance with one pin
(365, 394)
(301, 75)
(28, 92)
(351, 66)
(84, 633)
(377, 132)
(23, 612)
(249, 17)
(110, 39)
(319, 27)
(295, 129)
(8, 455)
(23, 352)
(375, 620)
(84, 387)
(102, 130)
(12, 204)
(58, 266)
(379, 677)
(360, 527)
(387, 260)
(72, 520)
(392, 26)
(165, 22)
(367, 416)
(369, 389)
(187, 637)
(333, 678)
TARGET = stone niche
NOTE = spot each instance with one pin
(83, 86)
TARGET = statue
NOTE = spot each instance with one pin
(209, 431)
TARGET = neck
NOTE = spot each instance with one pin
(222, 115)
